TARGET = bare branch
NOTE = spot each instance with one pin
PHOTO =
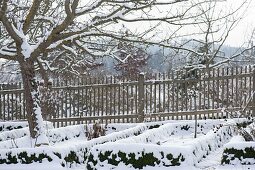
(31, 14)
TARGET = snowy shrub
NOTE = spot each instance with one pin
(72, 153)
(133, 155)
(95, 131)
(234, 156)
(77, 152)
(14, 134)
(252, 130)
(7, 126)
(116, 127)
(138, 156)
(213, 140)
(246, 130)
(238, 151)
(15, 130)
(24, 157)
(169, 129)
(66, 133)
(18, 138)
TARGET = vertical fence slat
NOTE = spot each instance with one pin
(218, 92)
(199, 93)
(227, 90)
(151, 104)
(222, 89)
(1, 108)
(141, 97)
(208, 91)
(177, 92)
(213, 89)
(168, 94)
(204, 95)
(253, 92)
(8, 106)
(132, 101)
(173, 94)
(243, 85)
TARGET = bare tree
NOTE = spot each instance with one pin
(34, 31)
(214, 28)
(131, 59)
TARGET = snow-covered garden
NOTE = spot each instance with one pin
(126, 84)
(165, 144)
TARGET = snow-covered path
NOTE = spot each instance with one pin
(212, 160)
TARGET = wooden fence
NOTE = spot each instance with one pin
(214, 93)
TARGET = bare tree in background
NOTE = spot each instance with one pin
(214, 28)
(249, 55)
(130, 59)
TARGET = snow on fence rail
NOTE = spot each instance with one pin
(176, 95)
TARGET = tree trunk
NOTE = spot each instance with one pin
(43, 73)
(33, 109)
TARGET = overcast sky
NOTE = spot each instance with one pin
(243, 31)
(238, 36)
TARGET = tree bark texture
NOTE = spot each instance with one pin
(32, 103)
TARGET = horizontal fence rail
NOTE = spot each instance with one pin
(186, 94)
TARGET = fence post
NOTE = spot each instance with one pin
(141, 97)
(253, 91)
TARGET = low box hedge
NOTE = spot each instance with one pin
(239, 153)
(139, 155)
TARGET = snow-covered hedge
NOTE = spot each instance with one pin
(77, 152)
(15, 130)
(165, 131)
(237, 151)
(19, 138)
(66, 133)
(7, 126)
(55, 135)
(66, 155)
(75, 131)
(136, 155)
(116, 127)
(14, 134)
(139, 155)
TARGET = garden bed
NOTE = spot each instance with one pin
(10, 125)
(73, 153)
(239, 152)
(68, 144)
(144, 150)
(153, 143)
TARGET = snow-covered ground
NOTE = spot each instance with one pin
(168, 134)
(54, 166)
